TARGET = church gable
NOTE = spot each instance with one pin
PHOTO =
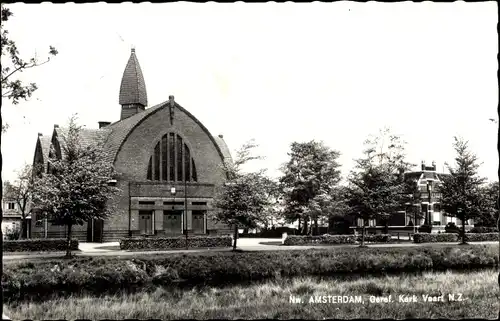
(153, 129)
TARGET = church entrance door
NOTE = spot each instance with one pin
(199, 222)
(146, 222)
(172, 221)
(95, 230)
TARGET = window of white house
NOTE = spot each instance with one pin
(436, 218)
(11, 205)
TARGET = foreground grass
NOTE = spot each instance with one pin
(271, 299)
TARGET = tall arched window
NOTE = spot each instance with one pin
(171, 161)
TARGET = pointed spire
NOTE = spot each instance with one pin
(133, 95)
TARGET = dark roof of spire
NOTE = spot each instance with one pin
(133, 87)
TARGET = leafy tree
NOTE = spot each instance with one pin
(21, 192)
(376, 187)
(462, 190)
(489, 213)
(244, 199)
(76, 189)
(15, 89)
(413, 196)
(307, 182)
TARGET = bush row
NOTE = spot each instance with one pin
(100, 275)
(175, 242)
(483, 229)
(335, 239)
(481, 237)
(38, 245)
(454, 237)
(435, 237)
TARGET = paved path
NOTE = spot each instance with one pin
(96, 249)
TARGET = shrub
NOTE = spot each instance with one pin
(431, 237)
(451, 228)
(425, 228)
(335, 239)
(454, 237)
(378, 238)
(481, 237)
(12, 233)
(36, 245)
(320, 239)
(166, 243)
(483, 229)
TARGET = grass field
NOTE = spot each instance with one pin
(271, 299)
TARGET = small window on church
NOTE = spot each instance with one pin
(187, 163)
(164, 158)
(195, 177)
(179, 158)
(171, 148)
(150, 176)
(157, 162)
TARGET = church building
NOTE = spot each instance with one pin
(168, 166)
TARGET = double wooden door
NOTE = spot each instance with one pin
(95, 230)
(146, 222)
(199, 222)
(172, 221)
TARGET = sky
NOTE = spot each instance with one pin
(276, 73)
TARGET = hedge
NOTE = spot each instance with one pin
(435, 237)
(335, 239)
(481, 237)
(36, 245)
(101, 275)
(454, 237)
(484, 229)
(163, 243)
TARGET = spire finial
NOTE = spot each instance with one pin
(132, 48)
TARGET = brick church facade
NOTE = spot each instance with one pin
(168, 166)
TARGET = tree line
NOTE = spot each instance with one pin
(310, 190)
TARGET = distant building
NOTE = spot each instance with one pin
(169, 166)
(12, 217)
(427, 207)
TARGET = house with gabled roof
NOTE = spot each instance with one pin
(428, 205)
(426, 208)
(168, 166)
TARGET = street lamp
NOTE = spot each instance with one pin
(173, 191)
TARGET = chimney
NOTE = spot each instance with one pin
(40, 134)
(171, 100)
(221, 136)
(434, 165)
(423, 165)
(103, 124)
(56, 126)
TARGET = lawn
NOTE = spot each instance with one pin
(271, 299)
